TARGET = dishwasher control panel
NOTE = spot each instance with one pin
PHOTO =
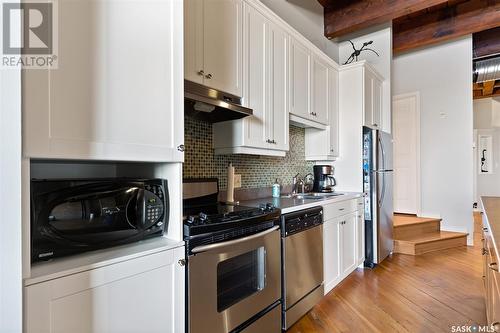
(301, 220)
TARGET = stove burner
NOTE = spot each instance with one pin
(242, 213)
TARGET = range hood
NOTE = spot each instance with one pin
(212, 105)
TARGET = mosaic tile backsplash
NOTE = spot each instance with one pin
(256, 171)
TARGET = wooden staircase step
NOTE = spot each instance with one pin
(423, 243)
(408, 225)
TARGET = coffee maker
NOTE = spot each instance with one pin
(323, 179)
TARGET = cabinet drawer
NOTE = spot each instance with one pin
(341, 208)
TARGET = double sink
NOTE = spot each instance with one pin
(311, 195)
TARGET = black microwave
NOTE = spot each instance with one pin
(70, 216)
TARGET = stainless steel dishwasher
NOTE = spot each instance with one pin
(302, 276)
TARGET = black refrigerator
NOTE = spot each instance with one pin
(378, 190)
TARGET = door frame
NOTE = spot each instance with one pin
(416, 95)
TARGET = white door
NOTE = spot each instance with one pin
(278, 93)
(360, 234)
(331, 253)
(222, 42)
(406, 123)
(300, 80)
(377, 104)
(368, 96)
(108, 100)
(143, 294)
(193, 41)
(333, 108)
(320, 90)
(256, 71)
(348, 243)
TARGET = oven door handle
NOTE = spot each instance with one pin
(205, 248)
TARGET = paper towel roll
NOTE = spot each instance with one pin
(230, 183)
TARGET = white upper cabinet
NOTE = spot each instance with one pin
(213, 44)
(108, 100)
(266, 76)
(323, 145)
(279, 84)
(300, 80)
(373, 99)
(320, 90)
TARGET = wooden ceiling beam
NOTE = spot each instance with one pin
(486, 42)
(488, 87)
(451, 22)
(342, 17)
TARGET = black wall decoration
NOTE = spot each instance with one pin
(354, 55)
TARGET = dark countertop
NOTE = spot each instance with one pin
(288, 205)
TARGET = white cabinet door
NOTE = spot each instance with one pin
(222, 45)
(377, 103)
(331, 253)
(348, 248)
(256, 48)
(278, 93)
(109, 100)
(373, 99)
(193, 41)
(320, 90)
(300, 80)
(360, 237)
(333, 111)
(368, 98)
(140, 295)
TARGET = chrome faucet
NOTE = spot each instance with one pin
(297, 184)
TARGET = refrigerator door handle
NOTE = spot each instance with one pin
(383, 151)
(382, 196)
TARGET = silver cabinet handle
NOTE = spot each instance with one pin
(181, 148)
(375, 125)
(182, 262)
(205, 248)
(341, 209)
(201, 72)
(208, 76)
(485, 229)
(493, 266)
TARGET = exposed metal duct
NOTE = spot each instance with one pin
(486, 70)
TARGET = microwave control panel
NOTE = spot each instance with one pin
(154, 205)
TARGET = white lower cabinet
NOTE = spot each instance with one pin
(360, 233)
(145, 294)
(343, 241)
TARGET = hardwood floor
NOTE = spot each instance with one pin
(426, 293)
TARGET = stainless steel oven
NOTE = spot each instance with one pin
(231, 282)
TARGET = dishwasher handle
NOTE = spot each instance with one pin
(205, 248)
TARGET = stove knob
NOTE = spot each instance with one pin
(269, 207)
(263, 207)
(191, 219)
(203, 217)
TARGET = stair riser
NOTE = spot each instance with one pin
(416, 249)
(416, 229)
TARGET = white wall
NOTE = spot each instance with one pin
(307, 18)
(487, 184)
(10, 202)
(382, 43)
(443, 76)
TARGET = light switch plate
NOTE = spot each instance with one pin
(237, 181)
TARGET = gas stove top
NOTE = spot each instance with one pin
(219, 216)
